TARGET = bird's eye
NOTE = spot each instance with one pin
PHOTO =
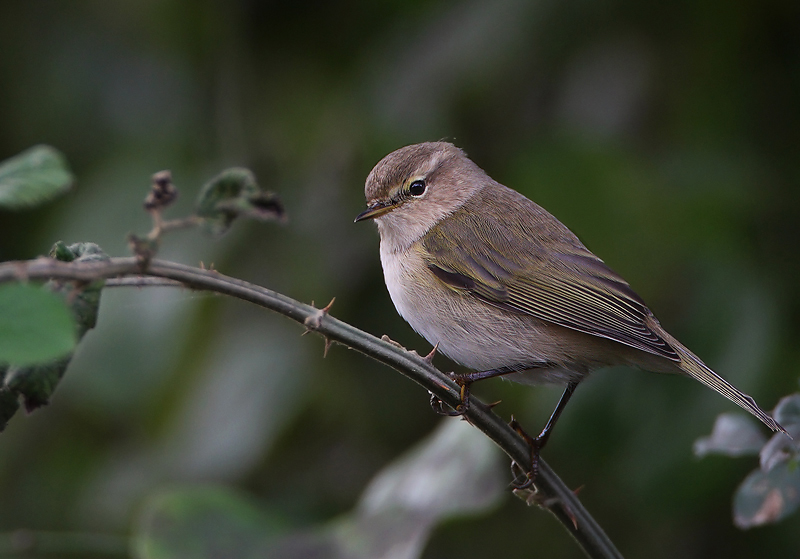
(417, 188)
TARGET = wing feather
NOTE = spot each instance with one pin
(569, 287)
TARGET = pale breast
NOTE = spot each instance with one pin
(468, 330)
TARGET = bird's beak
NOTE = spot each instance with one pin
(376, 209)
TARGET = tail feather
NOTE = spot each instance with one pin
(695, 368)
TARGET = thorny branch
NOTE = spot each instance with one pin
(551, 494)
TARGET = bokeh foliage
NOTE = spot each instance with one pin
(664, 134)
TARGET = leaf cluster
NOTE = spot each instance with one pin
(771, 492)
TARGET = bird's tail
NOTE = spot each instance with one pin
(694, 367)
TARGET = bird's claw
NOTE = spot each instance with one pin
(439, 406)
(534, 444)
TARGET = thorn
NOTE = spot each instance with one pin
(533, 497)
(202, 265)
(429, 358)
(387, 339)
(493, 404)
(312, 322)
(328, 344)
(530, 496)
(571, 515)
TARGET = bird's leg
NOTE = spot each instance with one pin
(464, 380)
(537, 443)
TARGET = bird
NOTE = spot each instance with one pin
(503, 288)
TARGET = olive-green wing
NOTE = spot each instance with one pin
(570, 287)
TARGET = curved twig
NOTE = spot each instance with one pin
(552, 493)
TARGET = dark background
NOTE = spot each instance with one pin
(663, 134)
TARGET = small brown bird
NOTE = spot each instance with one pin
(504, 288)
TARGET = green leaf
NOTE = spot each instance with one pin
(9, 403)
(37, 382)
(35, 325)
(83, 252)
(781, 448)
(460, 468)
(733, 434)
(767, 497)
(787, 412)
(202, 523)
(455, 471)
(33, 177)
(84, 299)
(234, 193)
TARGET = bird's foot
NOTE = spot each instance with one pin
(439, 406)
(524, 479)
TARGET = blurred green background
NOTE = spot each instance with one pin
(664, 134)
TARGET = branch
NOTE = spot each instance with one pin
(552, 493)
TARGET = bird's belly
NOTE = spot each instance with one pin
(470, 331)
